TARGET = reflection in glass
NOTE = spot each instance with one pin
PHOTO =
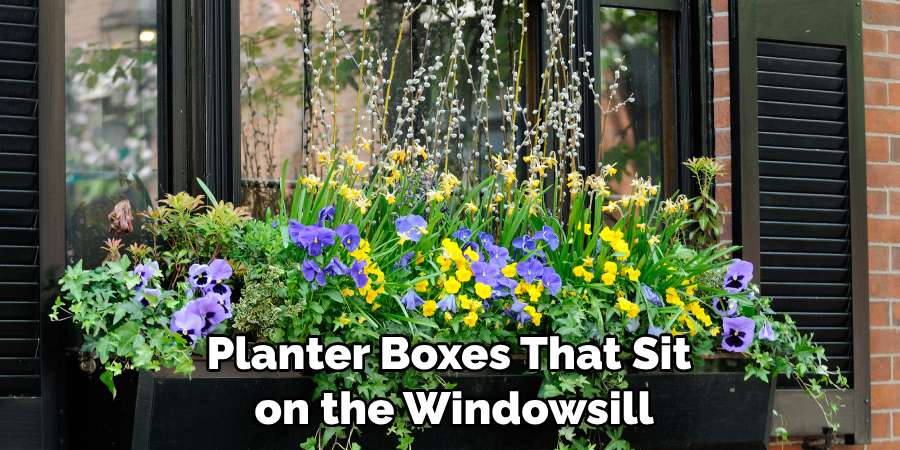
(633, 136)
(275, 116)
(111, 119)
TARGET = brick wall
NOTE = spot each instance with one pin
(881, 48)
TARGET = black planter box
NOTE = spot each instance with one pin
(710, 409)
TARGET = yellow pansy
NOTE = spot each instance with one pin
(579, 271)
(633, 274)
(610, 267)
(463, 274)
(607, 235)
(422, 286)
(344, 320)
(483, 290)
(608, 278)
(509, 270)
(472, 255)
(447, 316)
(465, 302)
(714, 331)
(452, 286)
(470, 319)
(361, 319)
(347, 292)
(376, 306)
(588, 276)
(535, 316)
(429, 308)
(370, 296)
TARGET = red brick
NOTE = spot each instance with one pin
(894, 94)
(895, 149)
(725, 177)
(881, 425)
(723, 143)
(874, 41)
(882, 175)
(876, 148)
(720, 56)
(879, 13)
(876, 93)
(722, 113)
(719, 6)
(894, 203)
(878, 314)
(882, 121)
(879, 258)
(885, 396)
(881, 371)
(896, 369)
(885, 285)
(895, 262)
(877, 203)
(881, 66)
(884, 230)
(720, 29)
(727, 226)
(885, 341)
(723, 193)
(893, 42)
(721, 85)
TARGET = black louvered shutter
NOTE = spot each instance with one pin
(19, 321)
(799, 165)
(803, 192)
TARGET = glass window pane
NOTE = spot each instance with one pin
(275, 114)
(632, 137)
(111, 119)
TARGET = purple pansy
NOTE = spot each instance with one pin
(314, 239)
(294, 230)
(141, 296)
(462, 234)
(211, 311)
(326, 214)
(411, 226)
(730, 312)
(219, 271)
(448, 303)
(529, 270)
(651, 296)
(485, 273)
(516, 311)
(358, 272)
(146, 271)
(485, 238)
(524, 243)
(199, 276)
(411, 301)
(766, 332)
(654, 330)
(274, 224)
(549, 236)
(738, 276)
(737, 334)
(551, 280)
(498, 255)
(405, 260)
(336, 268)
(509, 284)
(311, 271)
(349, 236)
(187, 325)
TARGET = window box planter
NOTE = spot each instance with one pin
(709, 408)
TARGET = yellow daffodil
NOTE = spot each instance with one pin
(587, 262)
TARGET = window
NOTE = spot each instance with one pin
(296, 105)
(111, 119)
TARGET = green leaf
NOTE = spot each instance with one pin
(107, 378)
(209, 194)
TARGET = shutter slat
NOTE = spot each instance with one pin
(801, 126)
(17, 88)
(16, 254)
(18, 161)
(19, 366)
(17, 125)
(785, 259)
(803, 230)
(801, 52)
(799, 110)
(792, 80)
(17, 106)
(17, 70)
(794, 95)
(813, 141)
(18, 236)
(17, 51)
(17, 32)
(10, 272)
(803, 274)
(18, 311)
(808, 67)
(803, 245)
(771, 213)
(811, 304)
(18, 328)
(17, 199)
(808, 155)
(17, 14)
(802, 170)
(799, 200)
(808, 185)
(18, 291)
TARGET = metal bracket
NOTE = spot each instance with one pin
(85, 359)
(829, 435)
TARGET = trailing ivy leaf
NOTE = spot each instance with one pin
(107, 379)
(142, 356)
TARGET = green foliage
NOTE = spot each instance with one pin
(122, 332)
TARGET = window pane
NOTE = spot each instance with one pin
(633, 136)
(111, 118)
(275, 114)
